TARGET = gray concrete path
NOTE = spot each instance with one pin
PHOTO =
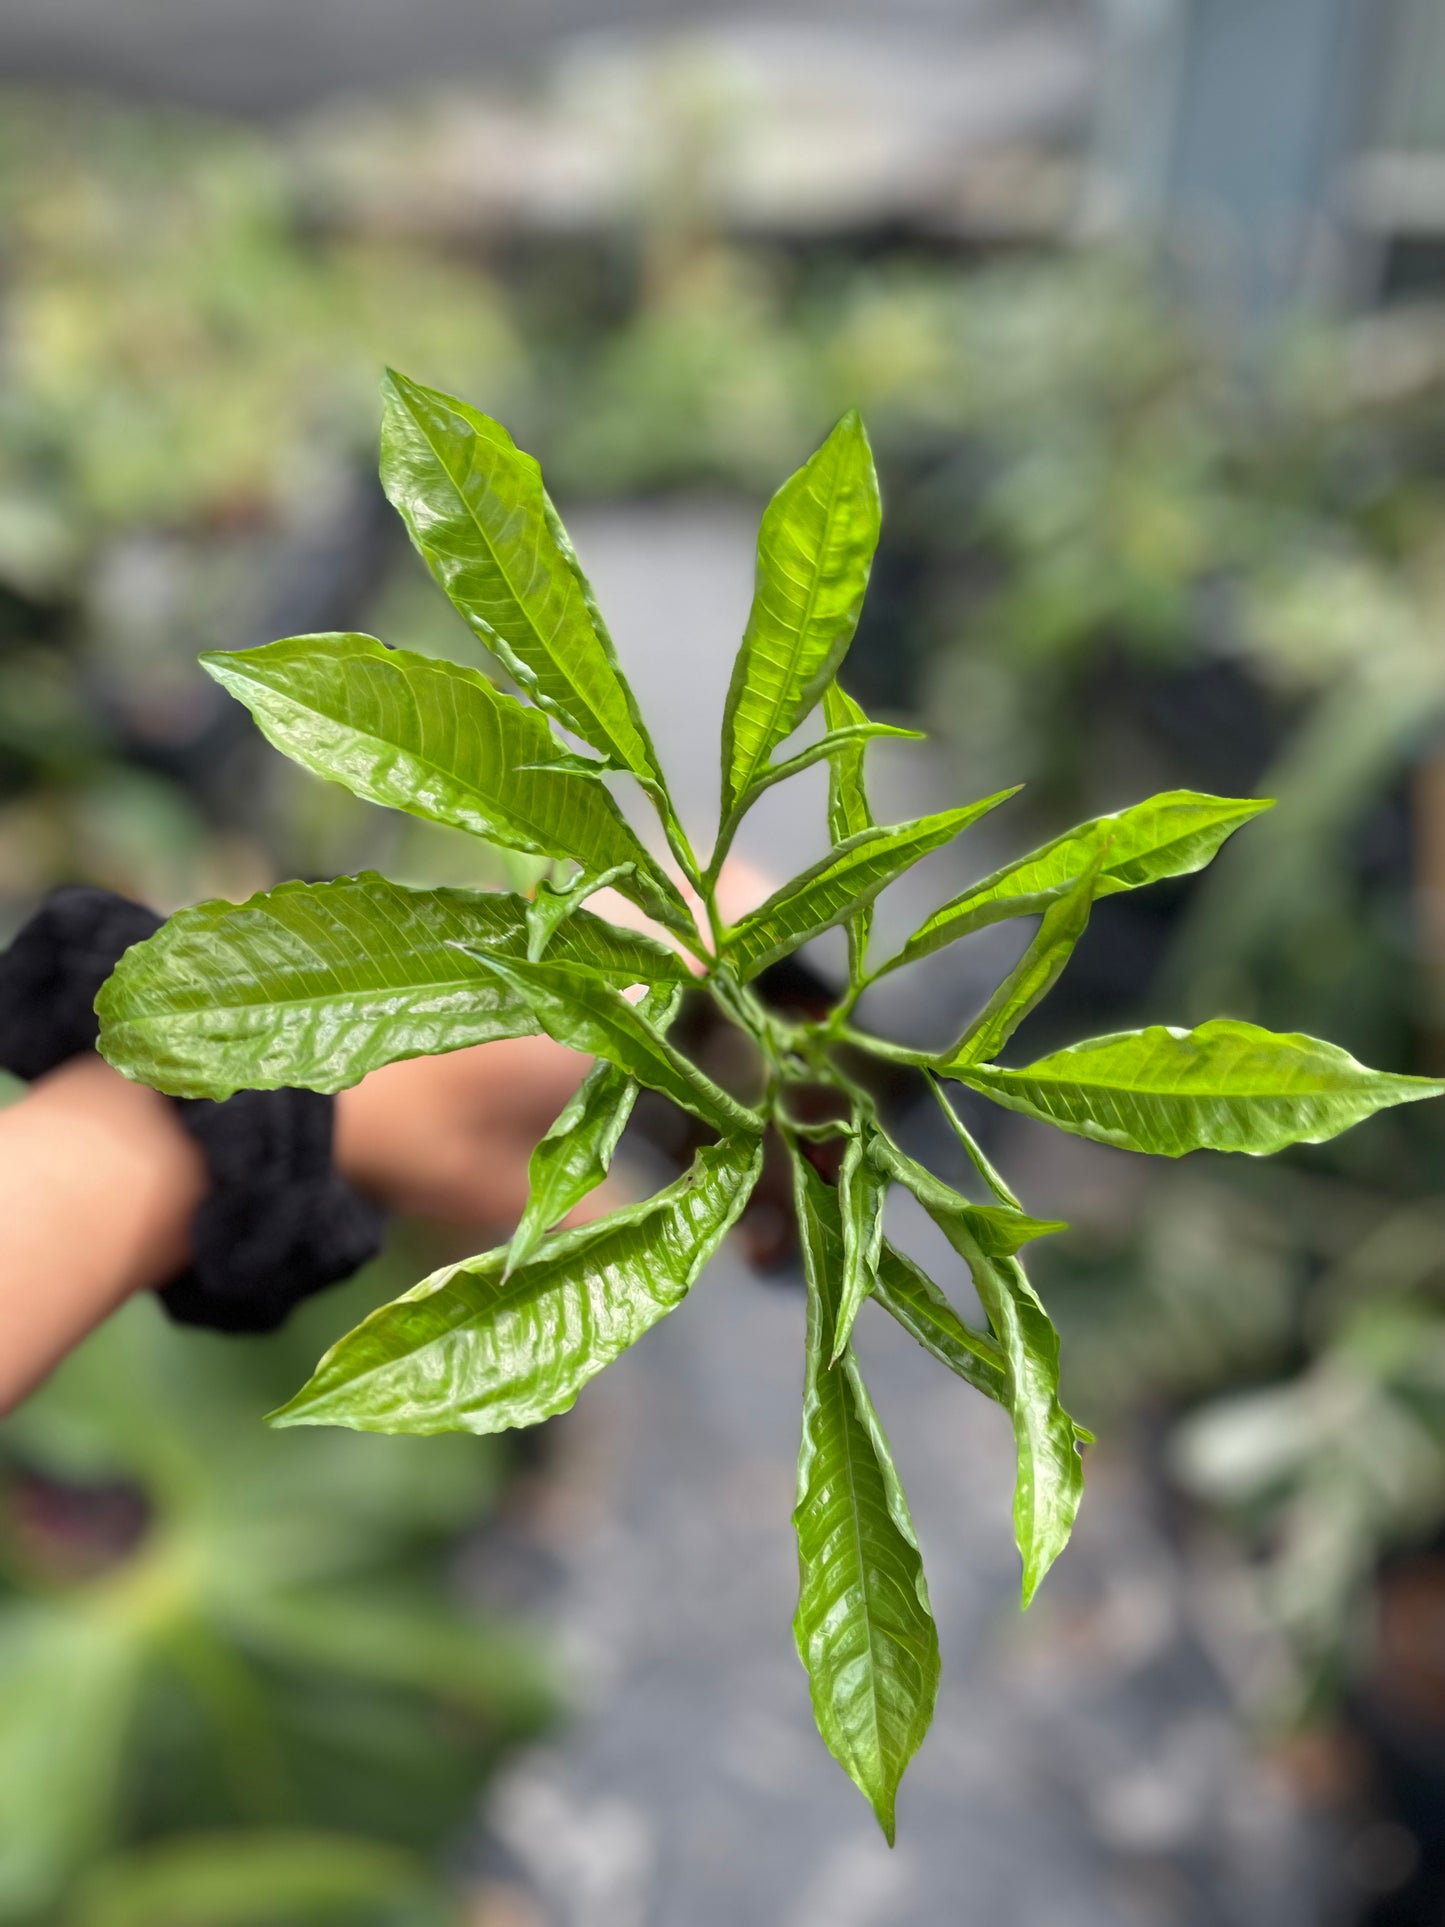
(1084, 1769)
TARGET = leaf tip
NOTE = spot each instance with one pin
(293, 1412)
(1036, 1570)
(217, 664)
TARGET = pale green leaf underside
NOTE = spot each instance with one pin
(435, 739)
(315, 984)
(834, 888)
(1030, 980)
(864, 1628)
(1172, 834)
(849, 812)
(478, 513)
(472, 1350)
(588, 1015)
(848, 741)
(815, 550)
(907, 1293)
(1050, 1477)
(1227, 1086)
(999, 1229)
(862, 1194)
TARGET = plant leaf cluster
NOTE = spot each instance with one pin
(317, 984)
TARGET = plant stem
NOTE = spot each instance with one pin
(980, 1161)
(879, 1047)
(727, 830)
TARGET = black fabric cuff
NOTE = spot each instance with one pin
(278, 1222)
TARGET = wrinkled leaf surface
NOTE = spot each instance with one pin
(472, 1349)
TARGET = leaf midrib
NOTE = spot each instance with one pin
(1275, 1093)
(840, 1393)
(322, 1000)
(527, 823)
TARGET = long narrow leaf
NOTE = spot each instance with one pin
(849, 812)
(839, 884)
(430, 737)
(315, 984)
(1030, 980)
(864, 1627)
(1227, 1086)
(847, 741)
(815, 551)
(477, 511)
(1050, 1479)
(588, 1015)
(1170, 835)
(908, 1294)
(999, 1229)
(862, 1194)
(473, 1350)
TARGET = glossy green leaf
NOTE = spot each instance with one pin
(472, 1349)
(999, 1229)
(862, 1194)
(847, 741)
(315, 984)
(839, 884)
(1227, 1086)
(1170, 835)
(576, 1154)
(907, 1293)
(551, 907)
(430, 737)
(588, 1015)
(849, 812)
(1030, 980)
(477, 511)
(815, 551)
(1050, 1479)
(864, 1627)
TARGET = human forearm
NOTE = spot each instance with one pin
(98, 1187)
(100, 1181)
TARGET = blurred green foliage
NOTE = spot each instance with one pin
(206, 1627)
(190, 364)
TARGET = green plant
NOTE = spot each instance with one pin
(317, 984)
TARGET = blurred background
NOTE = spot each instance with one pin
(1142, 300)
